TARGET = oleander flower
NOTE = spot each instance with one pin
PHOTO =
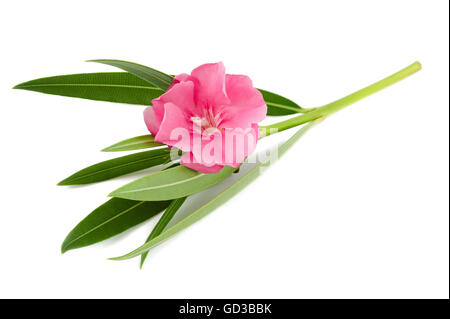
(211, 116)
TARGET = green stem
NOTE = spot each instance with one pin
(341, 103)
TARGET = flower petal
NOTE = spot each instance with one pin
(188, 160)
(238, 144)
(181, 78)
(174, 129)
(152, 120)
(246, 106)
(182, 95)
(210, 86)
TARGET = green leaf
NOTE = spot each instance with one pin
(118, 166)
(134, 143)
(124, 87)
(172, 183)
(120, 87)
(163, 221)
(110, 219)
(218, 200)
(155, 77)
(278, 105)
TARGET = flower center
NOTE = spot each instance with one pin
(208, 120)
(200, 121)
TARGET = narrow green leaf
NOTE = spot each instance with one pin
(110, 219)
(135, 87)
(124, 87)
(172, 183)
(120, 87)
(118, 166)
(278, 105)
(218, 200)
(134, 143)
(155, 77)
(162, 222)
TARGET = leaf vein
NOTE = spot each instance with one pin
(107, 221)
(93, 85)
(115, 167)
(287, 107)
(162, 186)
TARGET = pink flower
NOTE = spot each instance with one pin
(211, 116)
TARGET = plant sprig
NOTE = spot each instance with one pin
(166, 190)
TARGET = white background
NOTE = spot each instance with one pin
(357, 209)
